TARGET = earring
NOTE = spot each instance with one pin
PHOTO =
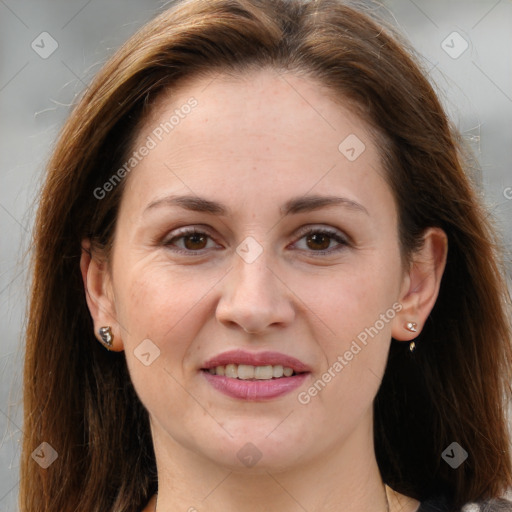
(413, 327)
(106, 336)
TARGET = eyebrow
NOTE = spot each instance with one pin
(293, 206)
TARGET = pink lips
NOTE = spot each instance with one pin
(255, 390)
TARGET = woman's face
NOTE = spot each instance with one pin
(296, 242)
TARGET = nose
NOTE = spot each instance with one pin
(254, 297)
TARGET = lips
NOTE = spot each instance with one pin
(239, 357)
(227, 373)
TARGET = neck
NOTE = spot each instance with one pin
(344, 477)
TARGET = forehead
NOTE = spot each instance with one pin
(251, 104)
(232, 132)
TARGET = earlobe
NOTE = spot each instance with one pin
(96, 282)
(421, 284)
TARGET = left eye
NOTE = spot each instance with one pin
(319, 240)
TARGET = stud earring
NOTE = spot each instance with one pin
(106, 336)
(412, 327)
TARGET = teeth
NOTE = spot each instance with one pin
(249, 372)
(262, 372)
(277, 371)
(287, 372)
(231, 370)
(245, 372)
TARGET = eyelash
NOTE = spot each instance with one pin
(333, 234)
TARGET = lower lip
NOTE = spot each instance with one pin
(254, 390)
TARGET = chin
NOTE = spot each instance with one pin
(256, 454)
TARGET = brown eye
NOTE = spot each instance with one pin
(195, 241)
(318, 241)
(322, 241)
(189, 241)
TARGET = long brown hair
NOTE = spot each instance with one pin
(455, 387)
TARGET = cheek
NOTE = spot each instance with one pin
(356, 306)
(346, 301)
(169, 306)
(157, 301)
(159, 310)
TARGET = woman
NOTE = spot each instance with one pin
(260, 211)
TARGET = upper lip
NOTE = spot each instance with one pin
(256, 359)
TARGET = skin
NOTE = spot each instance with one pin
(252, 143)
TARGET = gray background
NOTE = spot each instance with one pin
(36, 93)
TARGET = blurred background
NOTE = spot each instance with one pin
(50, 50)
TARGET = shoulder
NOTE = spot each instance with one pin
(439, 504)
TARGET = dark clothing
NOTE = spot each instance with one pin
(439, 504)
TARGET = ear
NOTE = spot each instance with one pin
(99, 293)
(421, 283)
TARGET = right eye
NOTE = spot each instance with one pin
(189, 241)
